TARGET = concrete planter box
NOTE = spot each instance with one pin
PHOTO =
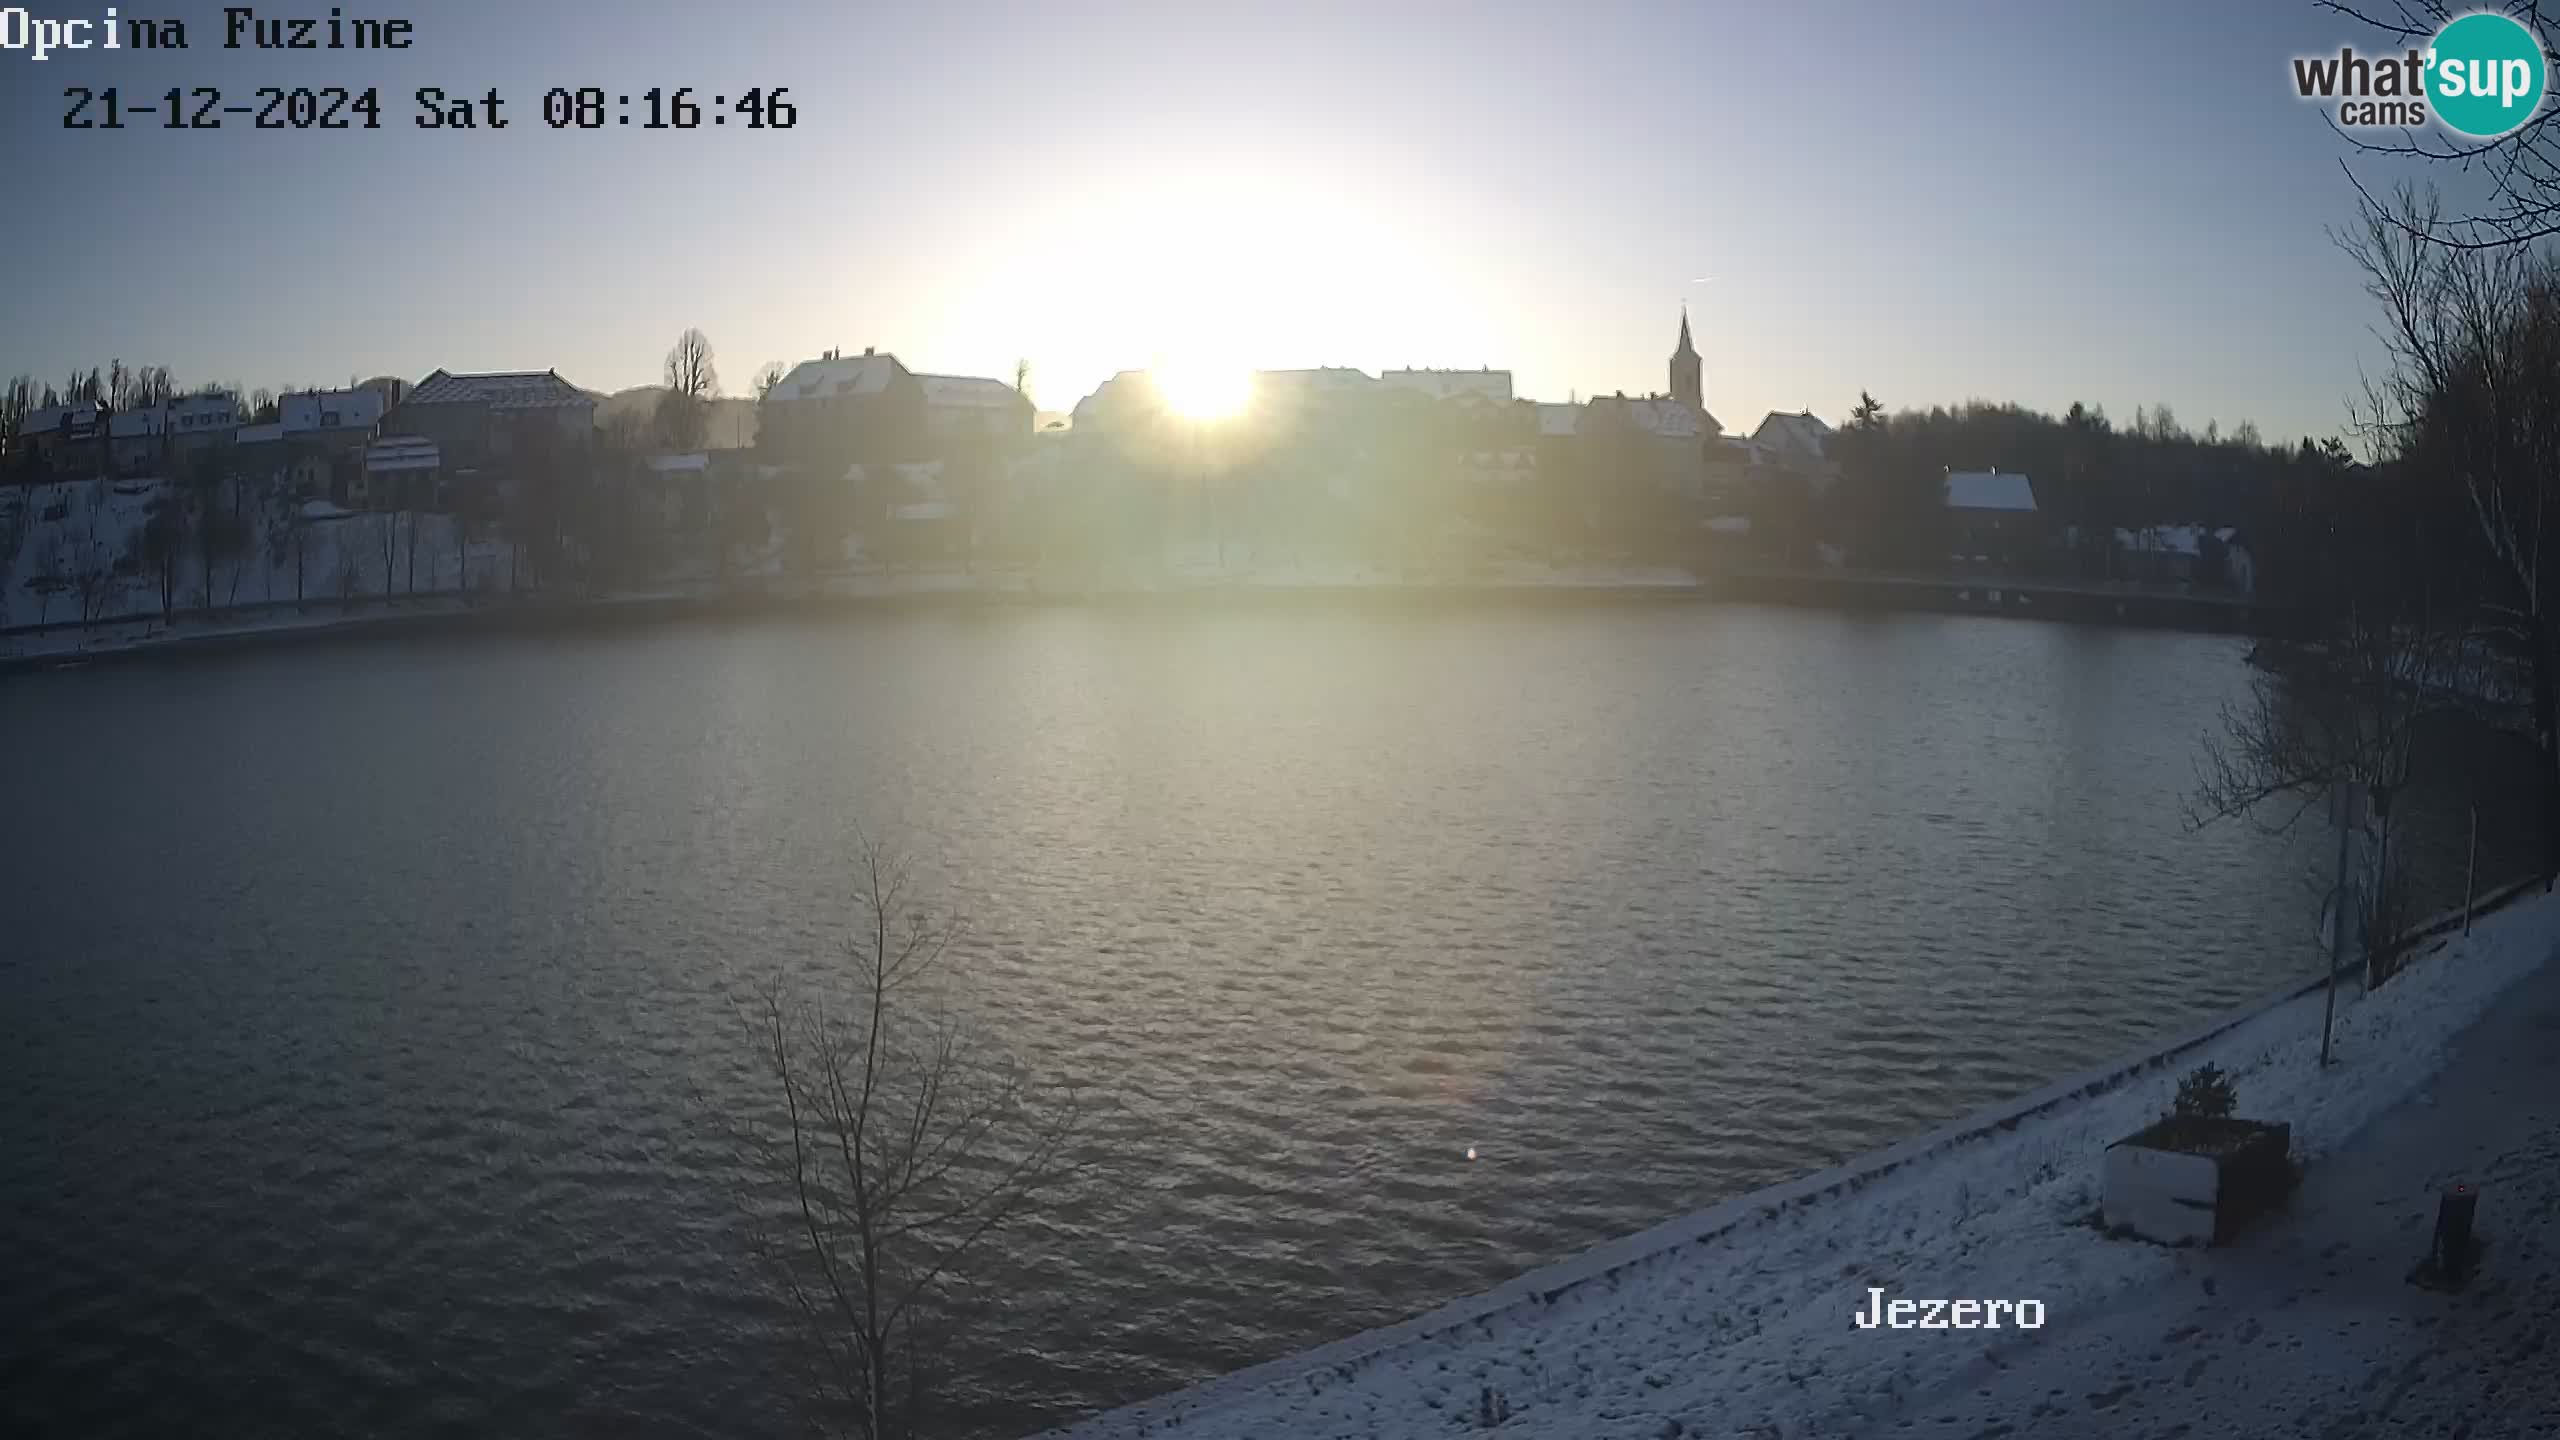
(2192, 1181)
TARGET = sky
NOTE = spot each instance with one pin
(2031, 202)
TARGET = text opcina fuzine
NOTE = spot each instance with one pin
(242, 27)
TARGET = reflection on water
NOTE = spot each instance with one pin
(358, 1001)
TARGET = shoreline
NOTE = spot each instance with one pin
(284, 622)
(1705, 1259)
(268, 623)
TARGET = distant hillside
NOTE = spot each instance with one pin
(733, 419)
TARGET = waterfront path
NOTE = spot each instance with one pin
(2308, 1326)
(1738, 1321)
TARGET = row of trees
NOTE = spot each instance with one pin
(2432, 616)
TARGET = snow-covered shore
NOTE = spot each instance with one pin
(131, 631)
(1737, 1320)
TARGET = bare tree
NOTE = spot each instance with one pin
(2472, 398)
(693, 382)
(17, 521)
(2521, 169)
(91, 560)
(766, 378)
(385, 529)
(901, 1142)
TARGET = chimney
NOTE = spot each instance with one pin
(866, 352)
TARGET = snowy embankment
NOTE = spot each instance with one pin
(1737, 1320)
(80, 567)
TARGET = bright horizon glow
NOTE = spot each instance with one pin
(1535, 189)
(1204, 389)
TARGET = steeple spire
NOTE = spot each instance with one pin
(1688, 385)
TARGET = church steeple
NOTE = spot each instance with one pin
(1688, 386)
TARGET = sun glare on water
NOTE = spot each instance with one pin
(1198, 390)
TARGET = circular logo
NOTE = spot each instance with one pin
(2485, 75)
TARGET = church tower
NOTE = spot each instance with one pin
(1687, 386)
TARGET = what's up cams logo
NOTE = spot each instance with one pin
(2481, 77)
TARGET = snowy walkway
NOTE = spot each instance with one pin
(1738, 1321)
(2308, 1327)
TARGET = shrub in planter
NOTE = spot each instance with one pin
(2198, 1175)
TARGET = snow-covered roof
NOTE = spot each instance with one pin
(1802, 431)
(314, 409)
(138, 424)
(511, 390)
(1130, 389)
(1446, 384)
(258, 434)
(1555, 419)
(199, 413)
(970, 392)
(1990, 490)
(1325, 377)
(834, 376)
(43, 420)
(1657, 415)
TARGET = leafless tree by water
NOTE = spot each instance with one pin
(2470, 405)
(2520, 169)
(899, 1140)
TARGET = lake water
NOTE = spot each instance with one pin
(367, 1022)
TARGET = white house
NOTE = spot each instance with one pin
(207, 416)
(314, 410)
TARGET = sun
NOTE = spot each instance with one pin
(1202, 390)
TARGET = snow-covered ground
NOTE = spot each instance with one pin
(1737, 1321)
(2309, 1327)
(70, 529)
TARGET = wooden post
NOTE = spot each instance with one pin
(2471, 870)
(2345, 811)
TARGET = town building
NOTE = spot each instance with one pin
(480, 420)
(199, 422)
(395, 470)
(840, 410)
(1128, 399)
(1992, 522)
(1663, 439)
(968, 408)
(138, 440)
(324, 411)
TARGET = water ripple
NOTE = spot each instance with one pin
(366, 1012)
